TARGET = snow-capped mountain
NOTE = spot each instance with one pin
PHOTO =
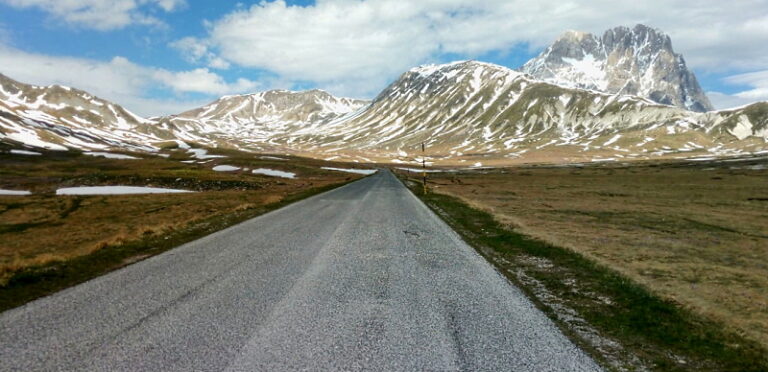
(306, 106)
(256, 119)
(466, 112)
(57, 117)
(635, 61)
(473, 110)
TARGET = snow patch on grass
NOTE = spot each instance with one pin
(29, 137)
(14, 192)
(352, 170)
(25, 152)
(274, 173)
(612, 140)
(418, 170)
(110, 155)
(225, 168)
(203, 154)
(116, 190)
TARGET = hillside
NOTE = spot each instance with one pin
(474, 112)
(467, 113)
(57, 117)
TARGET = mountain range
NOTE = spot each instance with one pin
(256, 120)
(622, 96)
(58, 117)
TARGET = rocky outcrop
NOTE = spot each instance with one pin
(634, 61)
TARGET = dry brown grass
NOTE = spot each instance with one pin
(43, 228)
(42, 235)
(695, 234)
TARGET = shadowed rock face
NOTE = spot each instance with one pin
(636, 61)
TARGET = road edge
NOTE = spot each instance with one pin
(37, 282)
(712, 349)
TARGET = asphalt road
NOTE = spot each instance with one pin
(364, 277)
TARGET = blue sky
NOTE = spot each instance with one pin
(164, 56)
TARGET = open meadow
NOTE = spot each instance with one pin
(695, 232)
(44, 231)
(649, 265)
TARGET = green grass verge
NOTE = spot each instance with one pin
(34, 282)
(654, 333)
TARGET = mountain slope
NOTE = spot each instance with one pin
(638, 61)
(466, 112)
(472, 110)
(58, 117)
(253, 120)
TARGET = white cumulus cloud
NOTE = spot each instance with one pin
(202, 81)
(756, 84)
(757, 80)
(119, 80)
(101, 14)
(197, 51)
(362, 44)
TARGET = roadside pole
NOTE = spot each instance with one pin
(424, 167)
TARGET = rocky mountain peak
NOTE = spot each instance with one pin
(469, 75)
(59, 117)
(257, 115)
(573, 44)
(635, 61)
(638, 38)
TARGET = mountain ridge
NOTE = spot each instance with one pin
(254, 119)
(470, 109)
(466, 112)
(57, 117)
(638, 61)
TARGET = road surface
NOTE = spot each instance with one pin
(364, 277)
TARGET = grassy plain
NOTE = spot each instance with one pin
(45, 232)
(694, 234)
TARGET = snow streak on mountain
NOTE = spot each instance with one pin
(260, 118)
(622, 96)
(473, 110)
(638, 61)
(58, 117)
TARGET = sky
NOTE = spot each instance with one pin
(159, 57)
